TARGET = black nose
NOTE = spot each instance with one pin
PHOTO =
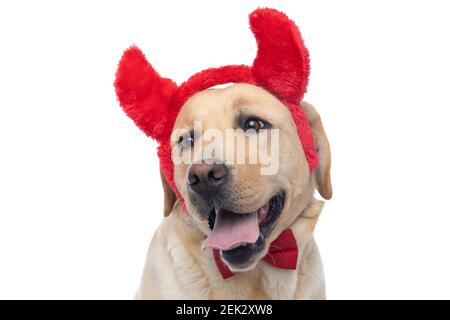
(203, 177)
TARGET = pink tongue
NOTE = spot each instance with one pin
(232, 229)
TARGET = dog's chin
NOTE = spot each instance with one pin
(245, 256)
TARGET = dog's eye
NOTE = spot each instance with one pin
(186, 141)
(254, 124)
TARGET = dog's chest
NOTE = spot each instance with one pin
(278, 283)
(265, 282)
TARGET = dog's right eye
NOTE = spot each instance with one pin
(186, 141)
(255, 124)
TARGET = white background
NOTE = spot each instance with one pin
(80, 195)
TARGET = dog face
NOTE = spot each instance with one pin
(241, 201)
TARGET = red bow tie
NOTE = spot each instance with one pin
(283, 253)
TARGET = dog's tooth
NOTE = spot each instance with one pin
(262, 212)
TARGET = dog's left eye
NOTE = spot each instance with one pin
(254, 124)
(186, 141)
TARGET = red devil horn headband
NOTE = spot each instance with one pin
(281, 66)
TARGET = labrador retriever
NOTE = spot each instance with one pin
(179, 267)
(239, 167)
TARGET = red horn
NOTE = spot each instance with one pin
(143, 94)
(282, 62)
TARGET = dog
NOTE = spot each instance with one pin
(231, 230)
(178, 268)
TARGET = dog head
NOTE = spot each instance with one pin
(247, 203)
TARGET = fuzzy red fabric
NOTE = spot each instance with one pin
(281, 66)
(283, 254)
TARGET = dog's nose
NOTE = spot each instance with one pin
(203, 176)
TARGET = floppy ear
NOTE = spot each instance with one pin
(169, 196)
(322, 172)
(282, 62)
(143, 94)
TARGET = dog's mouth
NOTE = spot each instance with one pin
(240, 235)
